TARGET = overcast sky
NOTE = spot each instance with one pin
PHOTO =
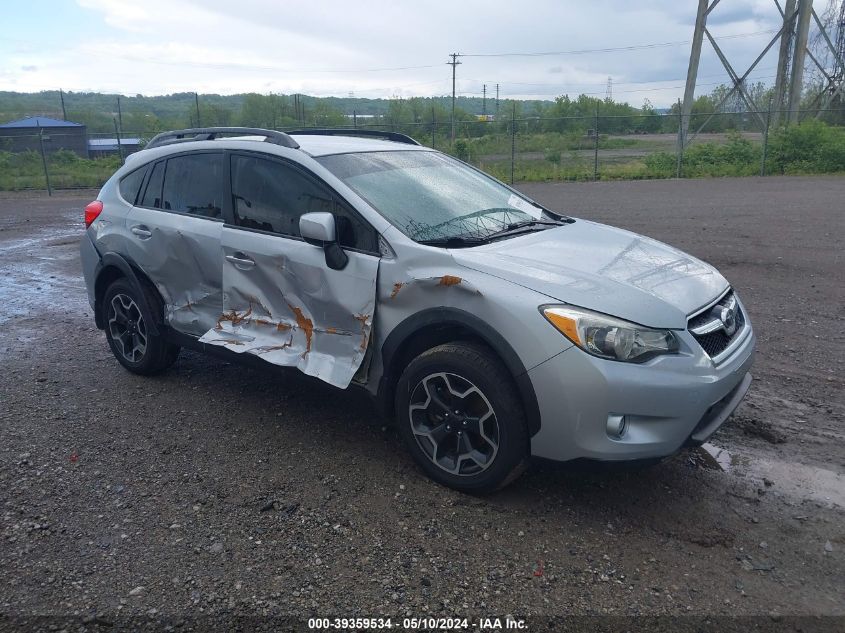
(375, 49)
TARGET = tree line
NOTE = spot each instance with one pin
(421, 117)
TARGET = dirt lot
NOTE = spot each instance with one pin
(216, 490)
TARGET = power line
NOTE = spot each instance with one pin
(276, 69)
(616, 84)
(615, 49)
(598, 94)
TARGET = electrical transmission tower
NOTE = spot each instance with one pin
(792, 38)
(839, 70)
(823, 48)
(608, 94)
(836, 83)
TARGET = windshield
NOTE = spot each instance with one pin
(432, 197)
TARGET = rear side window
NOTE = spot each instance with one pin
(152, 195)
(194, 184)
(130, 185)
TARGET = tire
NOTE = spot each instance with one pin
(481, 443)
(126, 331)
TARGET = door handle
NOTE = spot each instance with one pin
(240, 260)
(142, 231)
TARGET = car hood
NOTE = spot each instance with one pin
(602, 268)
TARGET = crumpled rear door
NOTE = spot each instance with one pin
(283, 304)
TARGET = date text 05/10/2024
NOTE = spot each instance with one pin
(417, 624)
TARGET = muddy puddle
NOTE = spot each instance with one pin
(41, 273)
(790, 479)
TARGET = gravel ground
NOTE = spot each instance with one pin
(215, 490)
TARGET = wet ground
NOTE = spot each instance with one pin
(215, 490)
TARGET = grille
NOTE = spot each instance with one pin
(716, 341)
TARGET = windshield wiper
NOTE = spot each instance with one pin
(533, 222)
(454, 242)
(524, 227)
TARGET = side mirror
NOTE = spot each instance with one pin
(319, 229)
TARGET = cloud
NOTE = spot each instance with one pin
(383, 48)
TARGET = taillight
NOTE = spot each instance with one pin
(92, 211)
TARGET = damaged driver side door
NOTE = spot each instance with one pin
(281, 301)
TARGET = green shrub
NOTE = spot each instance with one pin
(461, 150)
(661, 165)
(63, 157)
(739, 150)
(811, 147)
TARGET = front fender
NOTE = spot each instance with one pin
(444, 316)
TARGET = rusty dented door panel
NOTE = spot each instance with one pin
(181, 255)
(291, 309)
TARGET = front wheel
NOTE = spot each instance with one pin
(132, 344)
(460, 416)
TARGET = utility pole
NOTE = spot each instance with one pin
(433, 126)
(454, 64)
(44, 159)
(513, 139)
(596, 145)
(119, 114)
(497, 101)
(484, 100)
(197, 102)
(299, 109)
(62, 97)
(681, 133)
(766, 139)
(119, 146)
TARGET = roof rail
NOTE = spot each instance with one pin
(390, 136)
(211, 133)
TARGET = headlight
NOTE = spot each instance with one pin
(607, 337)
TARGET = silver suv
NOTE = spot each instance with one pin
(489, 327)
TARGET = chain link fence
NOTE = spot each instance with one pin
(515, 149)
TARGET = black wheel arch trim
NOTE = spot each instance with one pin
(445, 316)
(125, 266)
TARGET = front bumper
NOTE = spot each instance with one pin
(668, 402)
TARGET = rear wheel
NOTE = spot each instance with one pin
(127, 332)
(461, 418)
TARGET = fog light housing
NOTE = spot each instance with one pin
(616, 426)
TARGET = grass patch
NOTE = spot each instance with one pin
(25, 170)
